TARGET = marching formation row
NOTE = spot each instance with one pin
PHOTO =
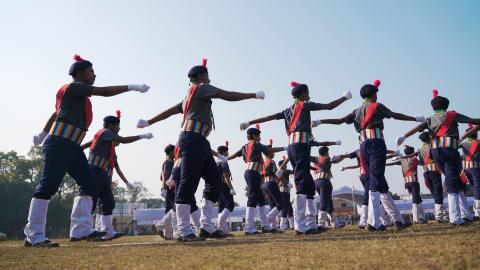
(193, 158)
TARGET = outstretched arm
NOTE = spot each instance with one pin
(393, 163)
(339, 158)
(317, 144)
(108, 91)
(235, 96)
(350, 167)
(403, 117)
(418, 128)
(245, 125)
(161, 116)
(334, 104)
(236, 155)
(337, 121)
(460, 118)
(131, 139)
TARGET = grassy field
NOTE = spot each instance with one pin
(428, 246)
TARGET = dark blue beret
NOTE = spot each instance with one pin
(440, 103)
(78, 66)
(196, 70)
(253, 131)
(368, 90)
(111, 120)
(299, 89)
(424, 136)
(323, 150)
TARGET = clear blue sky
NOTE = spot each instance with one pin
(412, 46)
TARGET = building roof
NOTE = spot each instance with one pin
(345, 190)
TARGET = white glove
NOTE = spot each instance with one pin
(244, 125)
(129, 186)
(222, 158)
(232, 192)
(347, 95)
(339, 142)
(260, 95)
(400, 140)
(142, 88)
(397, 158)
(38, 139)
(170, 184)
(398, 152)
(335, 158)
(420, 118)
(316, 123)
(142, 123)
(146, 136)
(163, 193)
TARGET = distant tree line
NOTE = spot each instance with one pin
(18, 178)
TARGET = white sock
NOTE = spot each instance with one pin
(299, 213)
(81, 217)
(196, 216)
(183, 219)
(311, 213)
(37, 218)
(272, 217)
(250, 220)
(363, 216)
(464, 208)
(374, 209)
(107, 223)
(206, 218)
(167, 225)
(263, 217)
(390, 208)
(454, 208)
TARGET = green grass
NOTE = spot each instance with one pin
(429, 246)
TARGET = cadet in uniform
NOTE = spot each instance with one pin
(297, 124)
(62, 153)
(368, 121)
(197, 159)
(252, 156)
(443, 129)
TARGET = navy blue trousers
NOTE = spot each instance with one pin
(61, 156)
(374, 152)
(365, 184)
(225, 200)
(170, 200)
(299, 155)
(450, 163)
(255, 195)
(103, 192)
(197, 162)
(414, 189)
(473, 175)
(176, 179)
(324, 189)
(272, 192)
(433, 181)
(287, 210)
